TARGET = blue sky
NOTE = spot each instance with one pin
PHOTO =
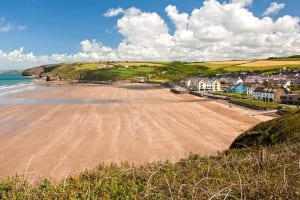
(46, 27)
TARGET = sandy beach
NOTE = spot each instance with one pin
(61, 130)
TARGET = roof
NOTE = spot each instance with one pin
(265, 90)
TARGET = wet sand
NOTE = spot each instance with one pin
(62, 130)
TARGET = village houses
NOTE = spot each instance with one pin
(268, 94)
(203, 84)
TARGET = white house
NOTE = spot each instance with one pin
(250, 88)
(203, 84)
(268, 94)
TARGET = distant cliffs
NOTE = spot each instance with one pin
(37, 71)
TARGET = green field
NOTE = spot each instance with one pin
(160, 71)
(288, 58)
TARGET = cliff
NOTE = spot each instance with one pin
(37, 71)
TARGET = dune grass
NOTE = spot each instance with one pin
(251, 173)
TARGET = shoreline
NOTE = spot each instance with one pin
(144, 123)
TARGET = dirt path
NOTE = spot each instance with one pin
(136, 123)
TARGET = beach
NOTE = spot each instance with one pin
(57, 131)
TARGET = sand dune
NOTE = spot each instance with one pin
(137, 123)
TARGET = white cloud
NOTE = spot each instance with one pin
(6, 26)
(90, 51)
(243, 2)
(22, 27)
(214, 31)
(180, 20)
(113, 12)
(274, 8)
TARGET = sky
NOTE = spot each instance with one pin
(35, 32)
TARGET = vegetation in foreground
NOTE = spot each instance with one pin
(251, 173)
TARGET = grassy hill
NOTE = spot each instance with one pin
(289, 58)
(159, 72)
(285, 129)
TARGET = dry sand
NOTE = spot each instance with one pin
(135, 122)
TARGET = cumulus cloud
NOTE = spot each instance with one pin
(274, 8)
(114, 12)
(180, 20)
(214, 31)
(243, 2)
(90, 51)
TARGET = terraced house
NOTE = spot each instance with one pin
(292, 99)
(203, 84)
(268, 94)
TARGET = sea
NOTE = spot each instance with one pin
(13, 82)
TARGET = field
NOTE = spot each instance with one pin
(135, 64)
(163, 71)
(263, 63)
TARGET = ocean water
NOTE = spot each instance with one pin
(13, 82)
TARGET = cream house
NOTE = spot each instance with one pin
(203, 84)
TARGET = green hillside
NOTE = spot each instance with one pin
(284, 129)
(160, 72)
(288, 58)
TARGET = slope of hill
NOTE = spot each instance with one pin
(283, 129)
(288, 58)
(160, 72)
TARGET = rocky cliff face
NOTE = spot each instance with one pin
(37, 71)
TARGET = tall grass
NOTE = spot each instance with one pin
(252, 173)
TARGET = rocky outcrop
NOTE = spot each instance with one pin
(37, 71)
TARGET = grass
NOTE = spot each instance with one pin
(257, 68)
(89, 71)
(251, 173)
(169, 71)
(289, 58)
(233, 95)
(285, 129)
(255, 103)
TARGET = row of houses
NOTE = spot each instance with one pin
(203, 84)
(258, 91)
